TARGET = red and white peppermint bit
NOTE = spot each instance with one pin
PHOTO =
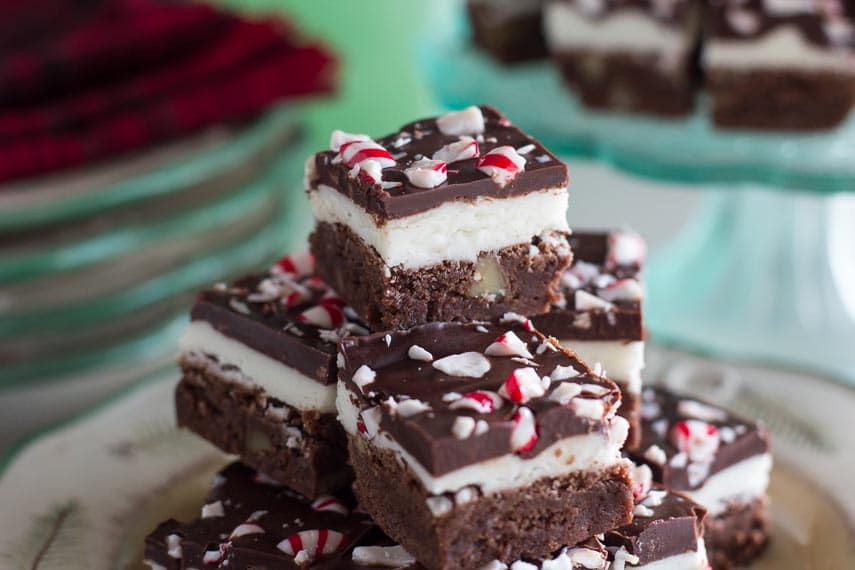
(524, 432)
(502, 164)
(625, 248)
(370, 421)
(522, 385)
(622, 290)
(427, 173)
(587, 302)
(369, 171)
(481, 401)
(511, 317)
(464, 149)
(212, 557)
(508, 344)
(298, 264)
(339, 138)
(354, 152)
(697, 439)
(314, 542)
(642, 481)
(245, 529)
(325, 316)
(330, 503)
(469, 121)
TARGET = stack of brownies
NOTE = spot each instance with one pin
(413, 393)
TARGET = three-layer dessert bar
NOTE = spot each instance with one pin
(479, 442)
(462, 217)
(778, 64)
(719, 460)
(258, 365)
(600, 314)
(631, 55)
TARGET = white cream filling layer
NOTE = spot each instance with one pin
(692, 560)
(740, 483)
(592, 452)
(621, 361)
(783, 49)
(566, 29)
(276, 379)
(456, 231)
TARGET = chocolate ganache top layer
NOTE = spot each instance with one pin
(685, 440)
(251, 522)
(665, 523)
(454, 394)
(287, 314)
(673, 13)
(601, 291)
(824, 23)
(463, 155)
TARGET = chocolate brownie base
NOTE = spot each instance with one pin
(510, 39)
(737, 536)
(630, 409)
(510, 280)
(302, 449)
(528, 522)
(780, 100)
(630, 82)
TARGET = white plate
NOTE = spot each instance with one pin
(83, 496)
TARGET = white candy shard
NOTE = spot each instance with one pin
(587, 302)
(625, 248)
(411, 407)
(563, 373)
(622, 558)
(173, 546)
(427, 173)
(508, 344)
(246, 529)
(622, 290)
(469, 121)
(364, 376)
(502, 164)
(463, 427)
(370, 421)
(330, 504)
(655, 455)
(591, 409)
(212, 510)
(642, 481)
(339, 138)
(439, 505)
(565, 392)
(418, 353)
(464, 149)
(383, 556)
(466, 364)
(697, 410)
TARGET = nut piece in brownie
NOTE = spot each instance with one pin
(509, 30)
(461, 217)
(461, 435)
(719, 460)
(249, 521)
(599, 316)
(777, 64)
(258, 374)
(627, 55)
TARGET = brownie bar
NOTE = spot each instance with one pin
(627, 55)
(251, 522)
(511, 32)
(258, 372)
(718, 459)
(599, 315)
(461, 435)
(508, 280)
(791, 67)
(461, 217)
(304, 447)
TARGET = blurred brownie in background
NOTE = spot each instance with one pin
(627, 55)
(509, 30)
(780, 64)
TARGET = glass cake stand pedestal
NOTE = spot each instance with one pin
(765, 269)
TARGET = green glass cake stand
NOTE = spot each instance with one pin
(766, 268)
